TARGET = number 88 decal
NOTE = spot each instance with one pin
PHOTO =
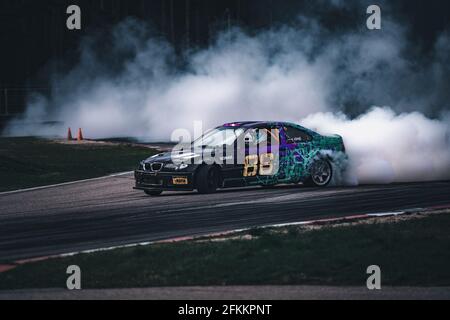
(264, 163)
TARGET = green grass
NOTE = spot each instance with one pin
(415, 252)
(30, 162)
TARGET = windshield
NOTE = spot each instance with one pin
(218, 137)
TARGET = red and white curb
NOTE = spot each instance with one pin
(12, 265)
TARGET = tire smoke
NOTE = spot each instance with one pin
(385, 147)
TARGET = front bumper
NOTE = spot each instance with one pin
(147, 180)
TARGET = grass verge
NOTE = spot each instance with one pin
(412, 252)
(30, 162)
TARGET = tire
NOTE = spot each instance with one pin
(153, 193)
(207, 179)
(321, 173)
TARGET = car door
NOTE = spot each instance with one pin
(256, 156)
(261, 155)
(294, 152)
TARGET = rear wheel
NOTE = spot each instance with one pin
(153, 193)
(321, 173)
(207, 179)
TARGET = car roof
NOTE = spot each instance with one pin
(253, 124)
(257, 124)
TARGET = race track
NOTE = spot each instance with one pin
(108, 212)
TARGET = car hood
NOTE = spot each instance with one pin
(168, 157)
(160, 157)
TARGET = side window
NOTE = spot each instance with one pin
(294, 135)
(270, 135)
(262, 136)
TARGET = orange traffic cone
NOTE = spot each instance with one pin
(80, 135)
(69, 134)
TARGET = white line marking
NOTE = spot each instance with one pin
(66, 183)
(131, 245)
(385, 214)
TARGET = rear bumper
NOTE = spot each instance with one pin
(163, 181)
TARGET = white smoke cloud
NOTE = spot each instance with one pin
(142, 88)
(386, 147)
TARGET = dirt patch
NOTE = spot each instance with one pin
(373, 220)
(237, 237)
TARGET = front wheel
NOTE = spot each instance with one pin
(321, 173)
(153, 193)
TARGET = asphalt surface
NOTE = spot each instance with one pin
(108, 212)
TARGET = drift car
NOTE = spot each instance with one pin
(244, 154)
